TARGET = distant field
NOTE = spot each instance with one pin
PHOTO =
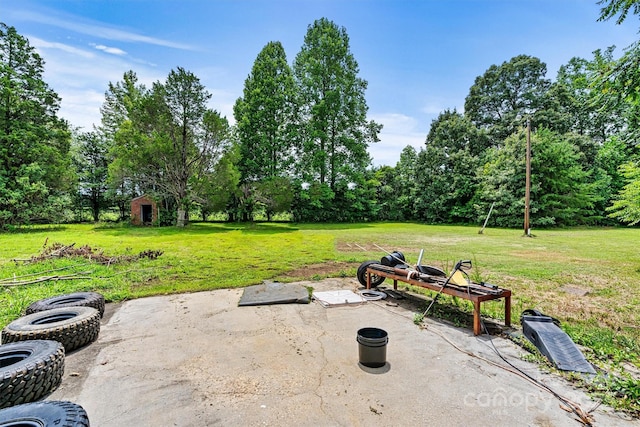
(589, 278)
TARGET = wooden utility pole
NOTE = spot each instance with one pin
(527, 191)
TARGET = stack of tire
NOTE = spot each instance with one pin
(32, 359)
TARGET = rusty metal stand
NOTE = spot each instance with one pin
(474, 293)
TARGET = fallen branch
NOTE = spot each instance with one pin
(13, 279)
(73, 276)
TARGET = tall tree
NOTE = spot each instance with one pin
(619, 84)
(34, 141)
(266, 130)
(91, 163)
(122, 106)
(265, 117)
(337, 133)
(560, 190)
(192, 135)
(171, 139)
(447, 168)
(502, 98)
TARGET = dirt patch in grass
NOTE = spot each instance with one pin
(325, 269)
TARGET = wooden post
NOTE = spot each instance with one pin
(527, 196)
(486, 219)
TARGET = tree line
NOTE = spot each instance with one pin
(299, 146)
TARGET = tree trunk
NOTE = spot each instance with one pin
(182, 217)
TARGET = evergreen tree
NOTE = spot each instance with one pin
(35, 172)
(265, 117)
(91, 163)
(266, 129)
(334, 110)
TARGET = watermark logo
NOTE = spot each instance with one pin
(499, 400)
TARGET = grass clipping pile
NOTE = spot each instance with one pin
(59, 250)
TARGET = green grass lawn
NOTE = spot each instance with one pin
(588, 278)
(550, 271)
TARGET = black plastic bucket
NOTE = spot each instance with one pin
(372, 347)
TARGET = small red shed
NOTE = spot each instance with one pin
(144, 210)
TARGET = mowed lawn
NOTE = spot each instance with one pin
(588, 278)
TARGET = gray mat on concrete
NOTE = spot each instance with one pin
(269, 293)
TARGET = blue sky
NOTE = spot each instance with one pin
(419, 57)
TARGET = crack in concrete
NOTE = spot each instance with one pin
(323, 368)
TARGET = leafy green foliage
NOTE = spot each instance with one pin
(612, 8)
(275, 194)
(446, 171)
(307, 125)
(504, 95)
(166, 139)
(335, 131)
(265, 117)
(35, 172)
(90, 159)
(588, 110)
(626, 207)
(560, 192)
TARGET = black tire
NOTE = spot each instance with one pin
(45, 414)
(431, 271)
(29, 370)
(74, 327)
(76, 299)
(393, 259)
(362, 275)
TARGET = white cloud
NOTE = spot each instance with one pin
(436, 105)
(398, 131)
(96, 29)
(81, 107)
(40, 45)
(107, 49)
(80, 77)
